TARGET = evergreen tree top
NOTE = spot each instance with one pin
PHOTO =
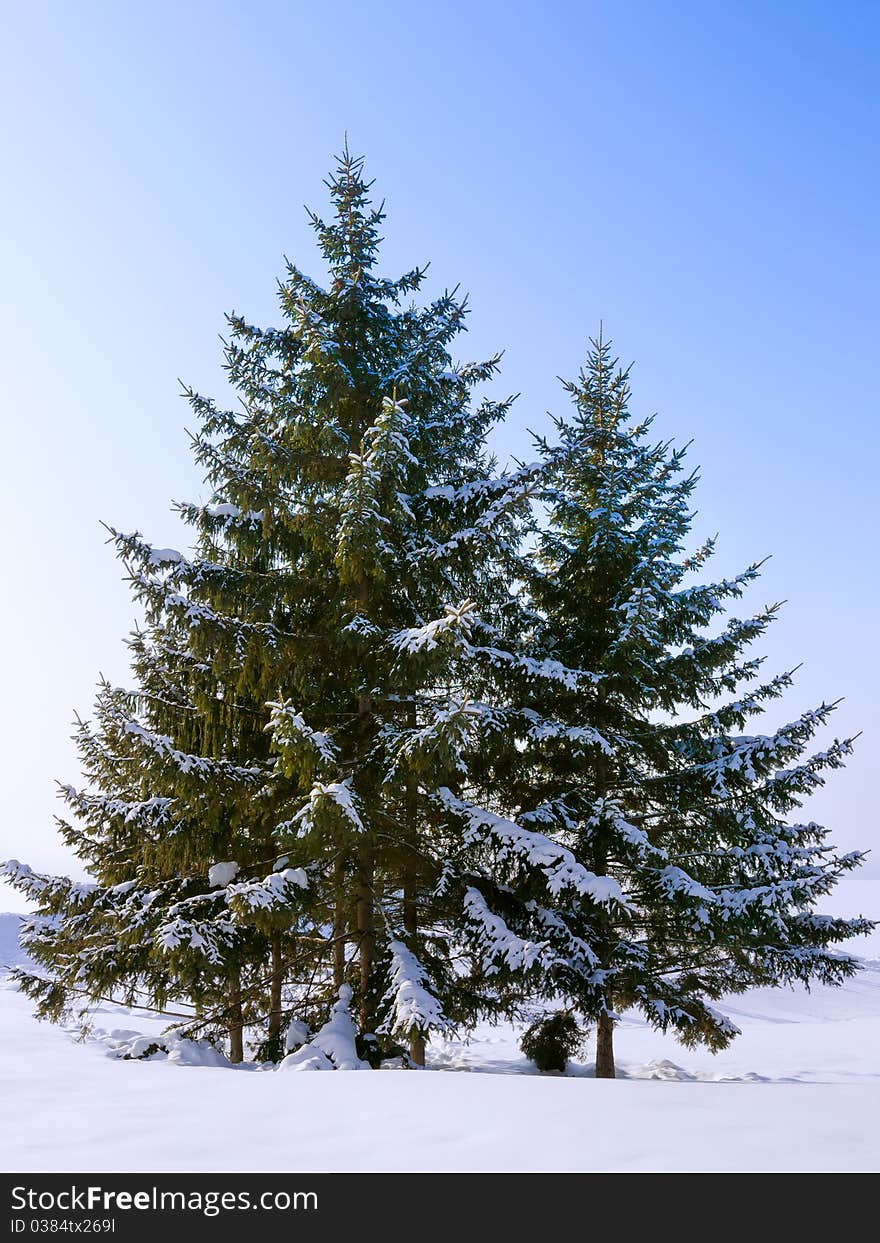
(351, 242)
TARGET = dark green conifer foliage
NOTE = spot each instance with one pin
(552, 1041)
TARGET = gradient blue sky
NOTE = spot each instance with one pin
(702, 176)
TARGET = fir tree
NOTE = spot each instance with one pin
(265, 806)
(640, 765)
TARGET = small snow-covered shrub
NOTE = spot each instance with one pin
(374, 1050)
(270, 1049)
(552, 1041)
(143, 1049)
(334, 1047)
(275, 1048)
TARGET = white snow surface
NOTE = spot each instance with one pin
(799, 1090)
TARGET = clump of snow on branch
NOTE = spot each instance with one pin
(455, 626)
(296, 1035)
(276, 889)
(210, 938)
(221, 874)
(288, 728)
(500, 942)
(558, 864)
(412, 1006)
(338, 796)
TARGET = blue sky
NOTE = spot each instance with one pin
(701, 177)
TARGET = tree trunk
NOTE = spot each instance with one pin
(605, 1025)
(366, 934)
(366, 871)
(605, 1047)
(275, 988)
(236, 1025)
(417, 1049)
(411, 927)
(411, 885)
(339, 921)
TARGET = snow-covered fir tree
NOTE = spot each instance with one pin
(639, 764)
(270, 806)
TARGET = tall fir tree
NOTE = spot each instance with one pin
(264, 806)
(640, 765)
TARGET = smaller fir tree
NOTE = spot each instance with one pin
(640, 765)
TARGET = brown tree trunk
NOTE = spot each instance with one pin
(366, 933)
(410, 888)
(339, 921)
(236, 1024)
(275, 988)
(411, 927)
(605, 1025)
(366, 871)
(417, 1049)
(605, 1047)
(417, 1041)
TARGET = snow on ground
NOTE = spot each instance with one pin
(799, 1090)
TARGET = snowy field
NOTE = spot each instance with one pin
(799, 1090)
